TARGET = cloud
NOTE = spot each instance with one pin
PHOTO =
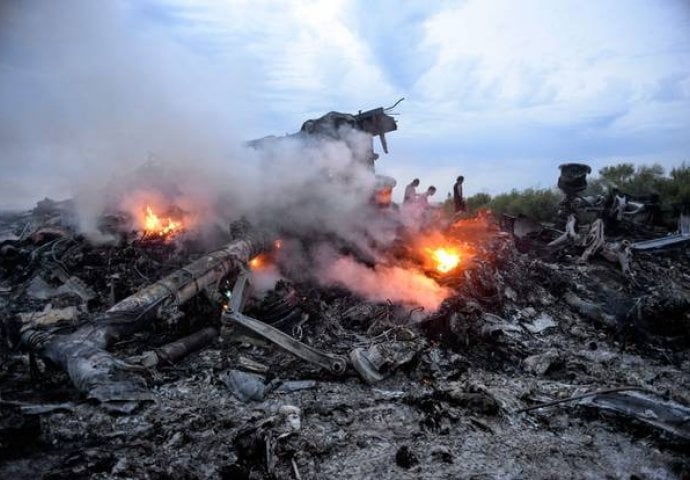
(554, 64)
(522, 87)
(394, 32)
(311, 60)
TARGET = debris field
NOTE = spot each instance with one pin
(153, 357)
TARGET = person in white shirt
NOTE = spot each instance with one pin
(423, 199)
(411, 191)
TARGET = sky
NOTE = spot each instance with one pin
(499, 91)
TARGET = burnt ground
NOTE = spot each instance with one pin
(521, 329)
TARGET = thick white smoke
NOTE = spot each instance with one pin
(90, 92)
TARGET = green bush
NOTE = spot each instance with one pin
(672, 189)
(477, 202)
(675, 188)
(540, 204)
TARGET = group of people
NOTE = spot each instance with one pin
(422, 199)
(411, 195)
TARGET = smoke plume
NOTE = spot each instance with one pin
(102, 104)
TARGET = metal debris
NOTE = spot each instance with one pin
(335, 364)
(521, 327)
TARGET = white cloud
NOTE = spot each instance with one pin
(553, 62)
(311, 60)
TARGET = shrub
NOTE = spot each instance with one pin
(477, 201)
(540, 204)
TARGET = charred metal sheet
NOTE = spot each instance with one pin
(240, 291)
(77, 286)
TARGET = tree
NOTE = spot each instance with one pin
(644, 180)
(675, 189)
(617, 174)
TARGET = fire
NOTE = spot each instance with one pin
(156, 226)
(445, 258)
(257, 262)
(442, 253)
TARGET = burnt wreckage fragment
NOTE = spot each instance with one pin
(605, 213)
(84, 354)
(335, 125)
(119, 383)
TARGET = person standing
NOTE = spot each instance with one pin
(411, 191)
(423, 199)
(458, 200)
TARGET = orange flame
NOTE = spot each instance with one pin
(442, 252)
(445, 258)
(154, 225)
(257, 262)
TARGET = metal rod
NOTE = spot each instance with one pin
(336, 364)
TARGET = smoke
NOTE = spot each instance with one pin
(104, 104)
(381, 283)
(90, 90)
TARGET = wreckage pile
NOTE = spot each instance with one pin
(151, 358)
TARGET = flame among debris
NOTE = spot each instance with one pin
(443, 253)
(157, 226)
(446, 258)
(258, 262)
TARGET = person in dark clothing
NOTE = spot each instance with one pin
(458, 200)
(411, 191)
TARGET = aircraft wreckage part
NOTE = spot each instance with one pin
(620, 252)
(682, 236)
(667, 416)
(336, 364)
(663, 242)
(634, 405)
(185, 283)
(569, 235)
(177, 350)
(83, 353)
(595, 242)
(240, 291)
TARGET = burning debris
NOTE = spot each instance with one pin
(156, 226)
(402, 343)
